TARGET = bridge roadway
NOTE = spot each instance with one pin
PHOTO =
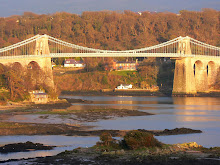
(58, 55)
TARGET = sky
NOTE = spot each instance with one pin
(18, 7)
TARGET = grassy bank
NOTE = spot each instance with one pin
(94, 81)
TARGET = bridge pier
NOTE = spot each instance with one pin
(184, 81)
(194, 75)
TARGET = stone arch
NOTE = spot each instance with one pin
(2, 75)
(33, 65)
(17, 66)
(34, 74)
(198, 65)
(2, 68)
(211, 72)
(200, 75)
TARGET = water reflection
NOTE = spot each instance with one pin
(197, 103)
(197, 109)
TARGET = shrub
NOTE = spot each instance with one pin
(138, 139)
(106, 138)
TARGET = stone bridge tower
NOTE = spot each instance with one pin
(42, 48)
(183, 75)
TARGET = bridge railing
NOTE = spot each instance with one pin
(200, 48)
(60, 48)
(23, 48)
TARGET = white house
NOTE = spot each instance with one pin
(39, 97)
(124, 86)
(73, 63)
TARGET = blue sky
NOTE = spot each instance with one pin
(18, 7)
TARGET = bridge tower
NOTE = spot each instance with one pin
(184, 81)
(42, 48)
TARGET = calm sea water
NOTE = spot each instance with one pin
(170, 112)
(62, 142)
(192, 112)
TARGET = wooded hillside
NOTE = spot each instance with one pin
(113, 30)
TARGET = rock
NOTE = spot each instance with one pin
(112, 152)
(120, 152)
(24, 147)
(190, 145)
(178, 131)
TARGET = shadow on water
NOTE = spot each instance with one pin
(165, 76)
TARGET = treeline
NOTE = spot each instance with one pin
(113, 30)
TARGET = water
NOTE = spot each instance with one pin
(62, 142)
(201, 113)
(192, 112)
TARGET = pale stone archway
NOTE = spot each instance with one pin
(200, 75)
(211, 73)
(33, 65)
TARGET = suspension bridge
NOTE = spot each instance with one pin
(196, 67)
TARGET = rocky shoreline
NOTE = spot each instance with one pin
(177, 154)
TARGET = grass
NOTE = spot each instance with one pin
(106, 148)
(4, 125)
(123, 73)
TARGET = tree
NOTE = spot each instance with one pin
(149, 69)
(106, 138)
(15, 84)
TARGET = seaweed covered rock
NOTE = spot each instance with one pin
(178, 131)
(23, 147)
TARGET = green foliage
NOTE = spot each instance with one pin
(107, 142)
(4, 98)
(106, 138)
(166, 75)
(136, 140)
(2, 80)
(104, 80)
(59, 61)
(124, 73)
(149, 69)
(51, 92)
